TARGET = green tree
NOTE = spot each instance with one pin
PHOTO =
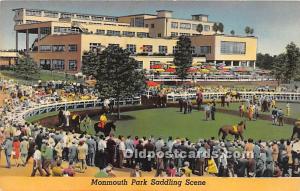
(247, 30)
(116, 74)
(264, 61)
(90, 61)
(292, 62)
(199, 28)
(183, 56)
(232, 32)
(221, 27)
(215, 28)
(26, 67)
(251, 31)
(279, 67)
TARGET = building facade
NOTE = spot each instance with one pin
(8, 58)
(61, 38)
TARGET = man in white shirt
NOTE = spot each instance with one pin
(67, 116)
(37, 162)
(122, 150)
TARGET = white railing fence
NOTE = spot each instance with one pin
(82, 104)
(278, 96)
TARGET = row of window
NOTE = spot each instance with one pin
(68, 15)
(188, 26)
(124, 33)
(57, 48)
(145, 48)
(57, 64)
(176, 34)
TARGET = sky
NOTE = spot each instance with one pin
(275, 23)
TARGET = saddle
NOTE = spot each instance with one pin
(235, 128)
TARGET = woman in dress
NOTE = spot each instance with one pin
(16, 151)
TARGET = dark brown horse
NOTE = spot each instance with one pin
(110, 125)
(296, 130)
(75, 122)
(228, 129)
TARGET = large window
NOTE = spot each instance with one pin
(33, 13)
(205, 49)
(128, 33)
(185, 25)
(140, 65)
(113, 33)
(45, 64)
(139, 22)
(228, 47)
(45, 30)
(72, 64)
(62, 29)
(174, 25)
(58, 64)
(131, 48)
(95, 46)
(174, 34)
(72, 47)
(163, 49)
(97, 18)
(206, 28)
(147, 48)
(142, 34)
(194, 26)
(45, 48)
(100, 31)
(66, 15)
(50, 14)
(175, 48)
(58, 48)
(83, 17)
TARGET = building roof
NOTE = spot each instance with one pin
(64, 12)
(162, 10)
(200, 15)
(137, 15)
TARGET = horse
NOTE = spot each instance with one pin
(160, 100)
(280, 120)
(75, 122)
(110, 125)
(228, 129)
(296, 130)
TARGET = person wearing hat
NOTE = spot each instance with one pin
(30, 149)
(92, 146)
(24, 146)
(37, 162)
(82, 152)
(8, 147)
(2, 138)
(73, 152)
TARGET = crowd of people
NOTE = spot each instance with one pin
(49, 149)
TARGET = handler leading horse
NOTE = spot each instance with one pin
(236, 131)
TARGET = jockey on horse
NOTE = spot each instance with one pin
(102, 121)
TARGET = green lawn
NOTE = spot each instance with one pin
(166, 122)
(295, 108)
